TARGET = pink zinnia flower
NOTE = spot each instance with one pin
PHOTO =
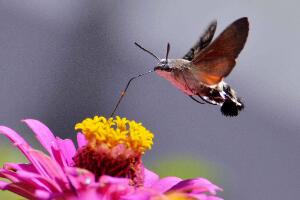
(106, 165)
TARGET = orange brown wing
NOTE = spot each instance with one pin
(203, 42)
(218, 59)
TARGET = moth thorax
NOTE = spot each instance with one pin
(178, 63)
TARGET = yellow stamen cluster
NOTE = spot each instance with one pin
(112, 132)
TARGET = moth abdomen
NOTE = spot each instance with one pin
(230, 108)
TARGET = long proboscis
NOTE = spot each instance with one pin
(124, 91)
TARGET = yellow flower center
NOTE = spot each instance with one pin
(112, 132)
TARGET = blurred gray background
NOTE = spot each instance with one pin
(63, 61)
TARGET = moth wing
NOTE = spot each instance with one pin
(211, 72)
(204, 40)
(218, 59)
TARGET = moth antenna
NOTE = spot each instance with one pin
(152, 54)
(168, 51)
(124, 91)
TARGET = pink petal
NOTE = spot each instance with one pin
(25, 172)
(3, 184)
(165, 184)
(80, 177)
(198, 185)
(149, 178)
(21, 189)
(142, 193)
(28, 178)
(108, 188)
(9, 175)
(50, 143)
(213, 198)
(40, 194)
(49, 184)
(21, 167)
(139, 195)
(16, 139)
(81, 140)
(58, 157)
(37, 179)
(113, 180)
(67, 149)
(92, 193)
(114, 188)
(35, 160)
(42, 133)
(204, 197)
(50, 168)
(22, 145)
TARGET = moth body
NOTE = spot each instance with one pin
(179, 72)
(201, 71)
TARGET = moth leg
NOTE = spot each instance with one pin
(196, 99)
(186, 83)
(207, 101)
(191, 90)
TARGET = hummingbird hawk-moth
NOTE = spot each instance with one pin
(201, 72)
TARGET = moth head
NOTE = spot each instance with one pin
(163, 65)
